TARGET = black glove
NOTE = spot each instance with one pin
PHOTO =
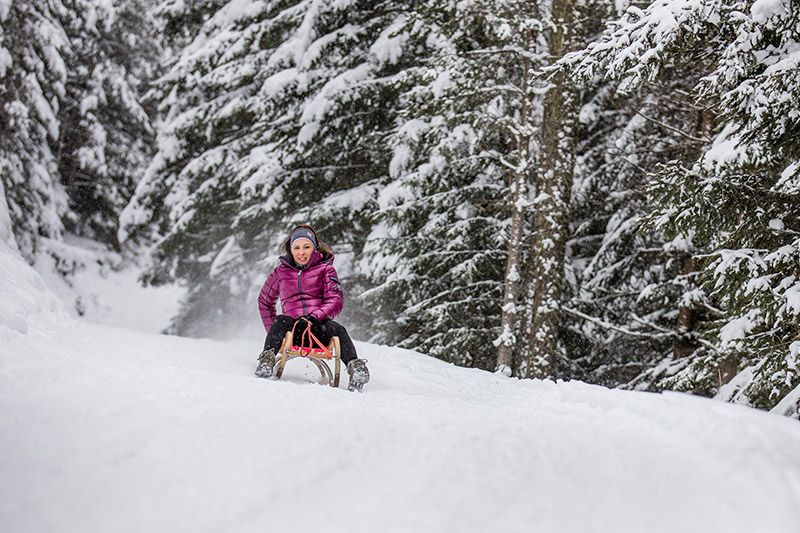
(312, 319)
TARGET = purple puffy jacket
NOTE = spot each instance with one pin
(312, 289)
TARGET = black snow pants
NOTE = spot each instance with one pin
(324, 331)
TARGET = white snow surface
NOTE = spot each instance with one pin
(104, 288)
(6, 60)
(6, 233)
(23, 296)
(110, 429)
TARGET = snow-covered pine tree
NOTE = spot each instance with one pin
(629, 291)
(105, 135)
(742, 202)
(738, 203)
(33, 74)
(461, 164)
(338, 155)
(178, 22)
(273, 115)
(74, 134)
(627, 285)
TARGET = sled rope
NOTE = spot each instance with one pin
(312, 339)
(318, 356)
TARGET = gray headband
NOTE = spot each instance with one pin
(303, 233)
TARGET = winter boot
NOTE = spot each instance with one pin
(266, 363)
(359, 375)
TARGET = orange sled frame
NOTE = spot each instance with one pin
(320, 356)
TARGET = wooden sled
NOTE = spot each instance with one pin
(319, 356)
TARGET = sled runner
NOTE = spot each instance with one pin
(319, 355)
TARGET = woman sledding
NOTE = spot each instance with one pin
(310, 292)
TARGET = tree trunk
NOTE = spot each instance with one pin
(519, 183)
(684, 324)
(552, 204)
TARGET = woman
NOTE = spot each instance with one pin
(309, 290)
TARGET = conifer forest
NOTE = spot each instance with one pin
(593, 190)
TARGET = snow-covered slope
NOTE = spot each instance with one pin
(23, 294)
(106, 429)
(103, 286)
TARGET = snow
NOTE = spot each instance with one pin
(504, 370)
(55, 40)
(510, 308)
(392, 194)
(23, 296)
(588, 113)
(789, 404)
(729, 392)
(6, 233)
(103, 287)
(231, 252)
(789, 182)
(89, 103)
(504, 31)
(42, 107)
(388, 47)
(401, 156)
(738, 328)
(111, 429)
(5, 61)
(278, 82)
(108, 12)
(725, 150)
(316, 109)
(792, 296)
(322, 45)
(353, 199)
(226, 16)
(776, 224)
(441, 84)
(506, 338)
(763, 10)
(621, 5)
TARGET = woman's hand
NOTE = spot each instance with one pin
(313, 320)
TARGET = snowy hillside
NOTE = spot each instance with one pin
(107, 429)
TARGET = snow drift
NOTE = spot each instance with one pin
(23, 294)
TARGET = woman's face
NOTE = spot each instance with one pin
(301, 251)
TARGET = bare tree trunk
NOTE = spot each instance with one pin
(687, 314)
(552, 204)
(519, 184)
(684, 324)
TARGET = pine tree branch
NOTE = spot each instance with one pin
(506, 50)
(672, 128)
(505, 87)
(671, 332)
(649, 324)
(624, 331)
